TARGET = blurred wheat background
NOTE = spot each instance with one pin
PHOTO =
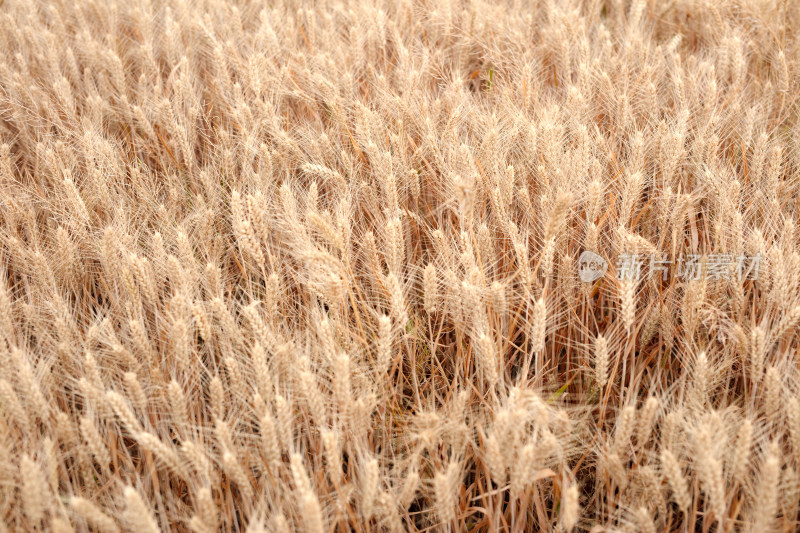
(298, 266)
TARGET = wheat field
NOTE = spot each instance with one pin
(320, 267)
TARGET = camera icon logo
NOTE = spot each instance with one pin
(591, 266)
